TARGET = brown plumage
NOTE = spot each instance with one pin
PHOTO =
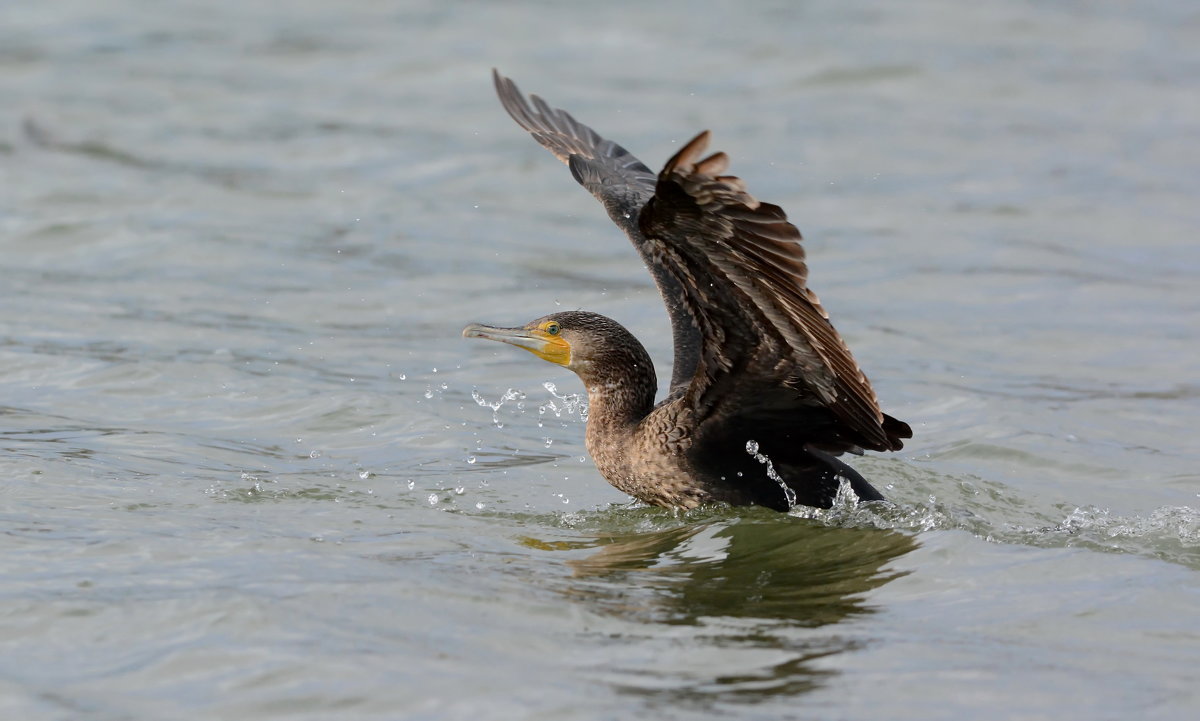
(764, 391)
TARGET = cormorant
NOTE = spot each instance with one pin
(764, 392)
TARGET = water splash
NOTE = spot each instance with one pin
(752, 449)
(569, 403)
(845, 509)
(508, 395)
(1170, 532)
(1180, 521)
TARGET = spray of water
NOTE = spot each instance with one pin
(752, 449)
(569, 403)
(509, 395)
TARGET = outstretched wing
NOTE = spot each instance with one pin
(624, 185)
(768, 357)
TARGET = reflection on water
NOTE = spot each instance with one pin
(745, 568)
(753, 590)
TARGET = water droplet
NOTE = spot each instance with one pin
(433, 499)
(364, 475)
(403, 377)
(459, 490)
(314, 454)
(470, 459)
(479, 505)
(429, 393)
(789, 494)
(411, 484)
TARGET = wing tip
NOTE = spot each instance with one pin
(513, 100)
(716, 164)
(896, 430)
(505, 87)
(685, 159)
(689, 161)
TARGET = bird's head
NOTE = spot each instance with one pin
(545, 338)
(575, 339)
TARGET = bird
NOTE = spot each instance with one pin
(764, 393)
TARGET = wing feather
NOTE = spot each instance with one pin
(623, 184)
(762, 329)
(753, 345)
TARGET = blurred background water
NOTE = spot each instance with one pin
(249, 469)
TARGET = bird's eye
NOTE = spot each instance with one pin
(552, 328)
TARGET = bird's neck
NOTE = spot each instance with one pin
(619, 397)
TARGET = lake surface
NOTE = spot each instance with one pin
(250, 470)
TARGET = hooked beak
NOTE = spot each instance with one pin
(547, 347)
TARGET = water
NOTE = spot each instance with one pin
(250, 470)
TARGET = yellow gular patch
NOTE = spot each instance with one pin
(554, 349)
